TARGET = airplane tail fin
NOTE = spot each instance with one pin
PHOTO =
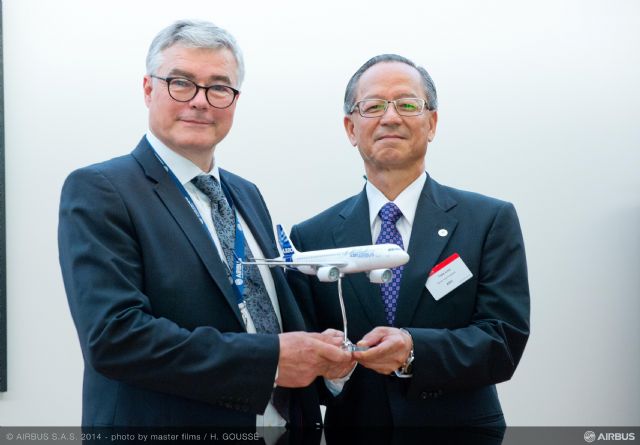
(285, 244)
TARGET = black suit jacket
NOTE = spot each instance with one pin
(464, 343)
(161, 335)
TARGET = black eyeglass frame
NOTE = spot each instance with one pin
(168, 81)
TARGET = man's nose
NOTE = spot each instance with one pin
(200, 99)
(391, 115)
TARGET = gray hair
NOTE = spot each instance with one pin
(429, 86)
(193, 34)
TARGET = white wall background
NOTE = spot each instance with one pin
(539, 105)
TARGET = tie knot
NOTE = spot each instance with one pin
(390, 213)
(208, 185)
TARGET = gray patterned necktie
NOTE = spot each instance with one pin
(255, 294)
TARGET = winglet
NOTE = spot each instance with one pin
(285, 245)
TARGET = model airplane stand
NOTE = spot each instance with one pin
(347, 345)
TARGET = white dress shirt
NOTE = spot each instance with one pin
(185, 171)
(407, 202)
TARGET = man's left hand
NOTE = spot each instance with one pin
(388, 350)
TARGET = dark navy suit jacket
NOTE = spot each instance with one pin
(464, 343)
(161, 335)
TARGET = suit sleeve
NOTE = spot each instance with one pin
(103, 269)
(488, 350)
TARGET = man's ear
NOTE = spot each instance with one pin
(433, 122)
(349, 128)
(147, 87)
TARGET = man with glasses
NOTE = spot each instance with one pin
(454, 320)
(173, 329)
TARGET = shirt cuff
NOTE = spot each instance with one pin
(335, 386)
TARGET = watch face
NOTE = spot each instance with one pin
(406, 368)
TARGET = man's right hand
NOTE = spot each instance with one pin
(307, 355)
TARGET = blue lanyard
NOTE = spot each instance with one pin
(237, 272)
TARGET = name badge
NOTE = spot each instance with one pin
(447, 275)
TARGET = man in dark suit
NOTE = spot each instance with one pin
(173, 330)
(454, 320)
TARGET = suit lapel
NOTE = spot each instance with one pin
(176, 204)
(425, 247)
(356, 231)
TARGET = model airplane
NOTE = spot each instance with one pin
(376, 260)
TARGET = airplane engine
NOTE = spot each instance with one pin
(380, 276)
(328, 273)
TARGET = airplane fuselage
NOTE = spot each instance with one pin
(353, 259)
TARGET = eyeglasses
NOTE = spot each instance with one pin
(184, 90)
(407, 106)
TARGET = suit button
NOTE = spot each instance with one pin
(424, 395)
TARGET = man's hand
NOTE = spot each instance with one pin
(331, 336)
(389, 349)
(307, 355)
(339, 370)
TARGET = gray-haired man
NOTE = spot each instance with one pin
(172, 329)
(454, 321)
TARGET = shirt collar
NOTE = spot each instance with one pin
(407, 200)
(183, 168)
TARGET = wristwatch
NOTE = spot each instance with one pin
(405, 370)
